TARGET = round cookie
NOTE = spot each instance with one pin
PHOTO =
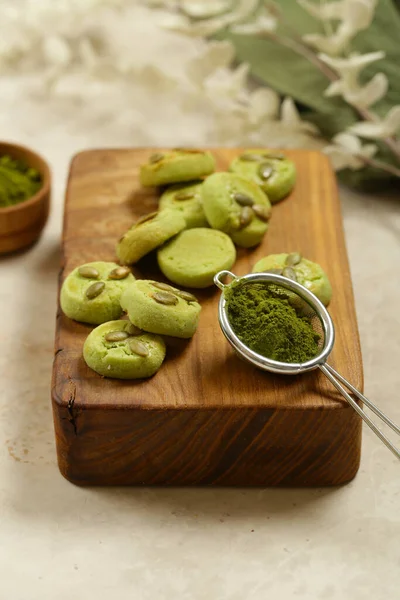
(119, 350)
(186, 198)
(194, 256)
(236, 206)
(91, 293)
(308, 273)
(161, 308)
(148, 233)
(175, 166)
(271, 170)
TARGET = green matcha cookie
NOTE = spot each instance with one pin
(194, 256)
(148, 233)
(271, 170)
(175, 166)
(294, 266)
(161, 308)
(236, 206)
(186, 198)
(91, 293)
(120, 350)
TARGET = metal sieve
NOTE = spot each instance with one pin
(305, 304)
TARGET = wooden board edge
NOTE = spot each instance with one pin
(336, 463)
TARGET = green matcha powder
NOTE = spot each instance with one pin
(269, 325)
(18, 182)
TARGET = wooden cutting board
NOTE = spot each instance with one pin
(206, 417)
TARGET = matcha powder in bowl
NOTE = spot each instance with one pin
(18, 181)
(280, 326)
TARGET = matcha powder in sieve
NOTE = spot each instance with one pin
(18, 182)
(269, 325)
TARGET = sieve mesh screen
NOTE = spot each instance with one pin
(303, 308)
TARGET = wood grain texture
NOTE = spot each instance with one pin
(206, 417)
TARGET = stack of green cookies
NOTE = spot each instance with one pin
(99, 292)
(203, 215)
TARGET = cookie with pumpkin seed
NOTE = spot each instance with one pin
(120, 350)
(237, 207)
(186, 198)
(270, 169)
(176, 166)
(91, 293)
(304, 271)
(149, 232)
(161, 308)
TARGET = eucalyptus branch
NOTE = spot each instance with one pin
(336, 63)
(308, 53)
(364, 113)
(297, 45)
(378, 164)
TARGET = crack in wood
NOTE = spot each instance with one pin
(72, 414)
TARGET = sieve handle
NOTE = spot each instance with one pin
(335, 378)
(364, 399)
(219, 276)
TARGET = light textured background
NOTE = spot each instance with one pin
(60, 541)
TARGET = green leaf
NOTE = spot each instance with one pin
(383, 34)
(291, 74)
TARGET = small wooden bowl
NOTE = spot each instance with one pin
(22, 224)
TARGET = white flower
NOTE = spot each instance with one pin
(324, 11)
(276, 134)
(358, 13)
(354, 64)
(201, 9)
(348, 85)
(226, 83)
(243, 11)
(379, 129)
(290, 117)
(263, 105)
(263, 23)
(332, 44)
(87, 53)
(348, 152)
(172, 21)
(288, 131)
(216, 55)
(355, 16)
(156, 80)
(56, 51)
(201, 28)
(168, 4)
(360, 96)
